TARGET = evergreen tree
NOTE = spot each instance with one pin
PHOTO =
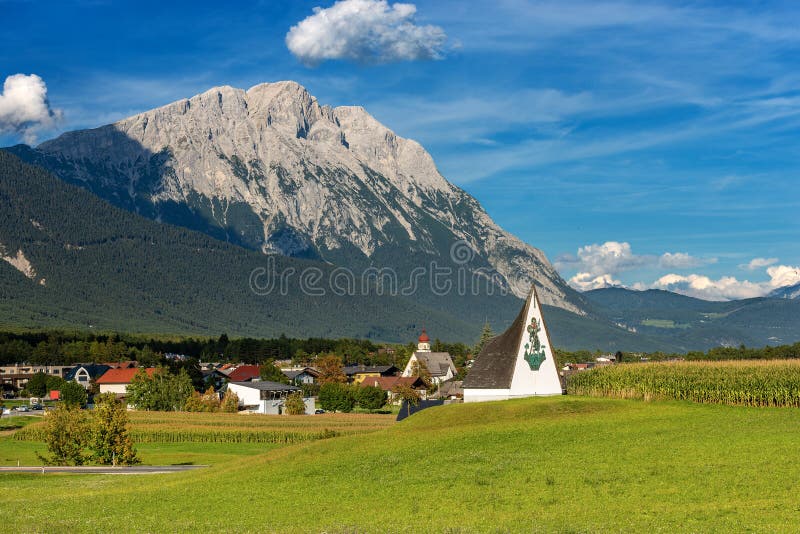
(486, 335)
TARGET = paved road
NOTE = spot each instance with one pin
(100, 470)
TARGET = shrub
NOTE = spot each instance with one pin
(230, 402)
(371, 397)
(295, 405)
(336, 397)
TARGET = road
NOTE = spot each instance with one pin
(104, 470)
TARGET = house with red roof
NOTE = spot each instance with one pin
(116, 380)
(388, 383)
(244, 373)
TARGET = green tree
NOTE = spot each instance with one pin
(230, 402)
(371, 397)
(73, 394)
(37, 385)
(337, 397)
(163, 391)
(295, 405)
(408, 394)
(486, 335)
(270, 371)
(65, 432)
(109, 438)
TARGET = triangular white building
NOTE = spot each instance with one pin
(517, 363)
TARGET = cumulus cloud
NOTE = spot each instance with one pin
(24, 108)
(758, 263)
(365, 31)
(597, 265)
(783, 275)
(611, 257)
(585, 281)
(728, 287)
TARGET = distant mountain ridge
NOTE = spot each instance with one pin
(694, 324)
(273, 170)
(786, 292)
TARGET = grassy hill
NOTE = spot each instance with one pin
(564, 464)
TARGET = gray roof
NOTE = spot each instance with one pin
(494, 366)
(95, 370)
(294, 373)
(437, 363)
(266, 385)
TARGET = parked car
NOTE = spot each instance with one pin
(37, 407)
(319, 411)
(22, 409)
(6, 411)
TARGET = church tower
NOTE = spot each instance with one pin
(424, 344)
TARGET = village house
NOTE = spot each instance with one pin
(85, 373)
(245, 373)
(301, 375)
(265, 397)
(357, 373)
(388, 383)
(439, 365)
(116, 380)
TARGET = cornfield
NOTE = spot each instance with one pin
(741, 383)
(183, 427)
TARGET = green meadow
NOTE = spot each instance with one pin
(565, 464)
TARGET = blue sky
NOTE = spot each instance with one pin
(643, 143)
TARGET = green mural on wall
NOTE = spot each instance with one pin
(534, 350)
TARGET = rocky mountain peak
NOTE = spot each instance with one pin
(270, 168)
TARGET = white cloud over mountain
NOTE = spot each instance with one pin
(728, 287)
(364, 31)
(24, 108)
(598, 265)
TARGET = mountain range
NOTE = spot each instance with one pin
(207, 190)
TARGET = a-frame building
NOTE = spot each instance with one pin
(517, 363)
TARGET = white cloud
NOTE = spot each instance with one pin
(598, 264)
(611, 257)
(682, 260)
(24, 108)
(759, 263)
(703, 287)
(728, 287)
(365, 31)
(585, 281)
(783, 275)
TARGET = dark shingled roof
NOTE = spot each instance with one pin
(494, 366)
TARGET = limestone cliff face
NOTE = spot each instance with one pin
(270, 168)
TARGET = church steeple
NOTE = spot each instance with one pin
(424, 344)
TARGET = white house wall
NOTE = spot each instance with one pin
(545, 381)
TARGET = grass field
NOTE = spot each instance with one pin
(565, 464)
